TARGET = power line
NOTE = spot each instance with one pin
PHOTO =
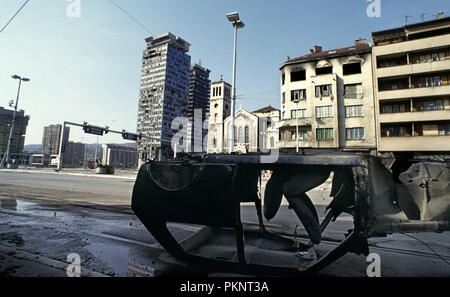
(14, 16)
(131, 17)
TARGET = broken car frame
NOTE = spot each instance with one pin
(208, 190)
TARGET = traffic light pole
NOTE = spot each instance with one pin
(105, 130)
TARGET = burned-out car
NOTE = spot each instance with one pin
(208, 191)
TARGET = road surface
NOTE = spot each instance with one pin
(45, 217)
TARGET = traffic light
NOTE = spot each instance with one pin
(63, 148)
(85, 126)
(106, 130)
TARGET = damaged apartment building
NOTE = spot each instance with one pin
(163, 94)
(329, 96)
(412, 87)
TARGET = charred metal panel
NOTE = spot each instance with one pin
(421, 202)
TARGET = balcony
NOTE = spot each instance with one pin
(418, 116)
(437, 66)
(293, 122)
(414, 143)
(414, 93)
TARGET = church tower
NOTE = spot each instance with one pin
(219, 110)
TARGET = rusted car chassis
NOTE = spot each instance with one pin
(209, 190)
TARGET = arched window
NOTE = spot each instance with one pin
(240, 135)
(247, 139)
(216, 117)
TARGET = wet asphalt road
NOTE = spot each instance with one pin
(36, 237)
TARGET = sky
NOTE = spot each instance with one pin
(87, 68)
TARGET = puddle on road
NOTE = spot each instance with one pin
(22, 206)
(115, 256)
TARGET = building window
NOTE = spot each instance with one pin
(216, 117)
(324, 70)
(298, 95)
(395, 84)
(354, 133)
(240, 135)
(395, 107)
(324, 111)
(430, 81)
(323, 91)
(395, 131)
(302, 134)
(283, 97)
(353, 91)
(302, 113)
(354, 111)
(247, 139)
(324, 134)
(214, 142)
(353, 68)
(298, 75)
(283, 78)
(235, 135)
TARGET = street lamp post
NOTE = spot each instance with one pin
(13, 124)
(237, 24)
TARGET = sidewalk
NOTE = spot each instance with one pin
(129, 174)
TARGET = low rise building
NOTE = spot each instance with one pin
(74, 154)
(120, 156)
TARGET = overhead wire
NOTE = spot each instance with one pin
(12, 18)
(131, 17)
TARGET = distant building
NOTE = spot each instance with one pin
(120, 156)
(52, 138)
(199, 92)
(6, 117)
(329, 95)
(74, 154)
(412, 87)
(270, 126)
(163, 93)
(219, 110)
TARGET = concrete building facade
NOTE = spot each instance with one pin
(120, 156)
(412, 86)
(219, 110)
(74, 154)
(329, 94)
(52, 138)
(198, 108)
(163, 93)
(6, 117)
